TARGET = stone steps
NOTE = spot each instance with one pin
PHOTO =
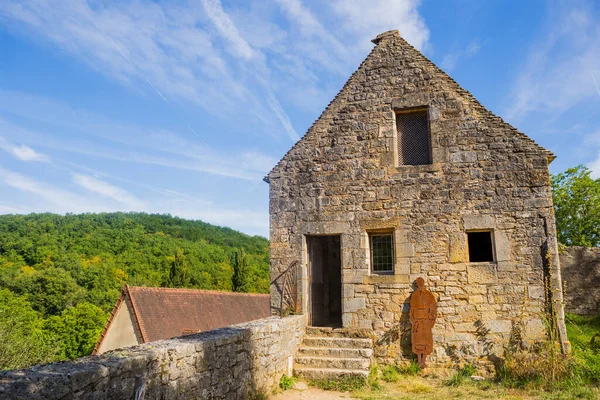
(332, 353)
(333, 362)
(338, 342)
(329, 373)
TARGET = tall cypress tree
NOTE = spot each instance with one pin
(241, 272)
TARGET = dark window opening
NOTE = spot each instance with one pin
(413, 138)
(480, 246)
(382, 253)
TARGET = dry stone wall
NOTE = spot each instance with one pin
(581, 275)
(343, 178)
(230, 363)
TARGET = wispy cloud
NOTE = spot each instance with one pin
(595, 83)
(47, 193)
(22, 152)
(101, 137)
(111, 191)
(164, 48)
(451, 60)
(556, 75)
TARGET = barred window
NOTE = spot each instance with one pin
(413, 138)
(382, 252)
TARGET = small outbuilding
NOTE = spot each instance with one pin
(146, 314)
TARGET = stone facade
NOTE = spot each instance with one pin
(230, 363)
(343, 178)
(581, 275)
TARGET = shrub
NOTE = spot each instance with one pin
(461, 375)
(286, 382)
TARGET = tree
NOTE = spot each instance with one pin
(78, 328)
(179, 273)
(22, 341)
(241, 272)
(576, 197)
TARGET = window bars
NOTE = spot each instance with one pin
(413, 138)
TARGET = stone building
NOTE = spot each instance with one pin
(405, 175)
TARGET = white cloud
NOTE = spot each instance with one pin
(227, 28)
(367, 21)
(106, 189)
(450, 60)
(142, 145)
(59, 199)
(45, 197)
(165, 49)
(22, 152)
(558, 74)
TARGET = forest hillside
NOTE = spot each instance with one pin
(61, 275)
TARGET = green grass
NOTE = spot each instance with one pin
(345, 384)
(584, 335)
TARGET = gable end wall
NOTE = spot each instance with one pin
(342, 178)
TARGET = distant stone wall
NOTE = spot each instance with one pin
(581, 276)
(229, 363)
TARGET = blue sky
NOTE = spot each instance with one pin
(182, 107)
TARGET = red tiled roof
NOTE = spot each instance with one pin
(162, 313)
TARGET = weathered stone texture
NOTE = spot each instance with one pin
(342, 178)
(229, 363)
(581, 276)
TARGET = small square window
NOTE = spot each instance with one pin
(382, 252)
(481, 248)
(414, 146)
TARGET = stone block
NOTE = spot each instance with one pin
(402, 266)
(537, 292)
(458, 247)
(474, 222)
(482, 273)
(353, 305)
(502, 245)
(534, 330)
(498, 326)
(404, 250)
(463, 156)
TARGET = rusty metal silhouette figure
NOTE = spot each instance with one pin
(423, 311)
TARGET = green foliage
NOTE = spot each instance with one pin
(67, 271)
(390, 373)
(78, 328)
(576, 197)
(22, 340)
(462, 375)
(286, 382)
(344, 384)
(241, 272)
(179, 271)
(410, 369)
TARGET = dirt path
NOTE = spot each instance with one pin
(311, 393)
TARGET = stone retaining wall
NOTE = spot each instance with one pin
(230, 363)
(581, 276)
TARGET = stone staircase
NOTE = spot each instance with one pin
(332, 353)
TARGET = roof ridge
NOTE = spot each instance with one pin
(470, 96)
(138, 322)
(327, 108)
(164, 289)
